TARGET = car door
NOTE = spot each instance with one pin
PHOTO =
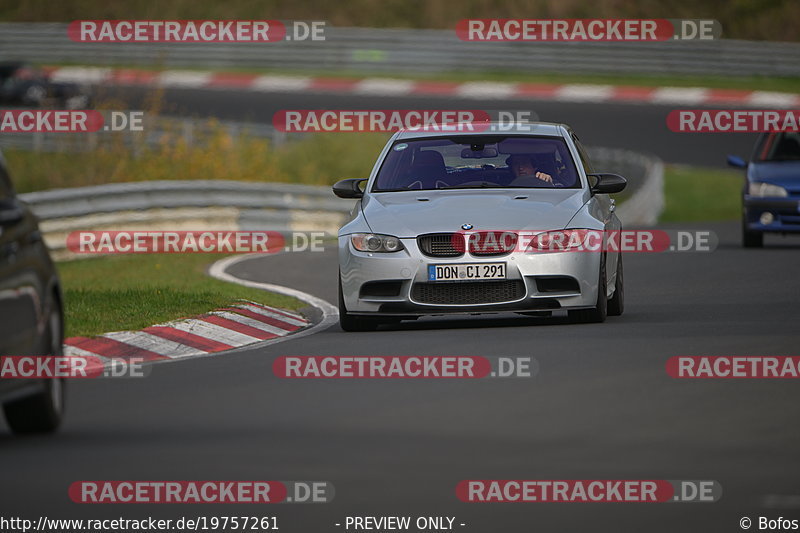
(20, 286)
(606, 207)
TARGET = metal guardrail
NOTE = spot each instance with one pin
(410, 51)
(185, 205)
(645, 191)
(114, 197)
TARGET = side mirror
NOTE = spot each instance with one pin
(349, 188)
(11, 212)
(608, 183)
(736, 161)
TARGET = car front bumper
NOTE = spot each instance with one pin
(391, 284)
(786, 213)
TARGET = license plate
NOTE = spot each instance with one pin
(466, 272)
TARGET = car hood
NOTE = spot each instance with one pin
(411, 213)
(785, 174)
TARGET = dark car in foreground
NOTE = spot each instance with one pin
(26, 85)
(771, 192)
(31, 320)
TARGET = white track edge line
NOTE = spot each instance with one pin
(330, 313)
(218, 270)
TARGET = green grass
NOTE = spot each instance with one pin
(701, 194)
(319, 159)
(129, 292)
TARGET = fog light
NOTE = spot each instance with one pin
(766, 218)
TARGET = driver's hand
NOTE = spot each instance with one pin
(544, 177)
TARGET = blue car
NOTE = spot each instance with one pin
(771, 193)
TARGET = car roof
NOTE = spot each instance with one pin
(7, 68)
(494, 128)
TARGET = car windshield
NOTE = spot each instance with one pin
(477, 162)
(780, 146)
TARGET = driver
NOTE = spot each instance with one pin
(523, 169)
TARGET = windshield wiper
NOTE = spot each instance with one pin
(482, 185)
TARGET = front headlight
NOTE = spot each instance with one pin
(560, 241)
(372, 242)
(761, 189)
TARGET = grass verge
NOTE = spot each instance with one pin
(129, 292)
(319, 159)
(695, 194)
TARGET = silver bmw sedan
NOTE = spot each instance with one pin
(455, 222)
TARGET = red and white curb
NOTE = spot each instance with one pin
(399, 87)
(241, 324)
(329, 312)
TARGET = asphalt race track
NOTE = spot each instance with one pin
(640, 127)
(602, 407)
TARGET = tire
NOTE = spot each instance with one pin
(34, 95)
(44, 411)
(350, 322)
(616, 305)
(751, 239)
(600, 311)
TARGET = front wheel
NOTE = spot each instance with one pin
(751, 239)
(350, 322)
(616, 305)
(600, 311)
(40, 413)
(34, 95)
(43, 411)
